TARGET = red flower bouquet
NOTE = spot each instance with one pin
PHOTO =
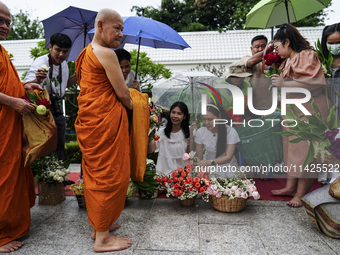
(272, 64)
(182, 185)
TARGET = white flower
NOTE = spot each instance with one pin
(45, 68)
(67, 171)
(60, 179)
(66, 178)
(51, 174)
(256, 195)
(149, 161)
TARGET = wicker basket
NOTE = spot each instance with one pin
(260, 145)
(81, 201)
(188, 201)
(51, 194)
(334, 189)
(224, 204)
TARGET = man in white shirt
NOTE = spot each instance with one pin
(131, 79)
(58, 76)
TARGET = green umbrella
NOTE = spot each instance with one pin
(269, 13)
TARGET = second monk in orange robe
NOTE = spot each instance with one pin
(102, 130)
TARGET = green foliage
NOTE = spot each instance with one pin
(312, 131)
(73, 152)
(149, 186)
(218, 71)
(25, 28)
(195, 15)
(70, 137)
(40, 50)
(148, 71)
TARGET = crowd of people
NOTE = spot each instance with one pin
(109, 92)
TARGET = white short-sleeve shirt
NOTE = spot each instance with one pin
(209, 141)
(43, 60)
(170, 151)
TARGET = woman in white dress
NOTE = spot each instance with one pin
(173, 141)
(219, 142)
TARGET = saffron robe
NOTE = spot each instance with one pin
(17, 194)
(103, 137)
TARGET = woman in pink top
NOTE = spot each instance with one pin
(301, 69)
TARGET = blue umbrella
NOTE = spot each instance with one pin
(74, 22)
(144, 31)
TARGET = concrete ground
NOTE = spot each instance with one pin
(164, 226)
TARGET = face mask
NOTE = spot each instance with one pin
(334, 49)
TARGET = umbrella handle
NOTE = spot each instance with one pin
(139, 39)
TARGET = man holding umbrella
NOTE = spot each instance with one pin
(56, 78)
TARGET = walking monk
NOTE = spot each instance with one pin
(17, 194)
(102, 130)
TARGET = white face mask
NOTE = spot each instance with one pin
(334, 49)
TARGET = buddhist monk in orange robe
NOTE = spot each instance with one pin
(102, 130)
(17, 194)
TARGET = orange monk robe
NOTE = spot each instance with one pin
(103, 137)
(17, 194)
(139, 134)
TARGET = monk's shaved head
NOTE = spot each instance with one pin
(107, 15)
(6, 16)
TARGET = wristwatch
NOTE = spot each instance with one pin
(212, 162)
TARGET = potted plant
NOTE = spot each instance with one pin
(52, 178)
(230, 194)
(78, 189)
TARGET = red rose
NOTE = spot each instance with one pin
(158, 179)
(184, 174)
(170, 181)
(189, 179)
(175, 192)
(157, 138)
(197, 185)
(188, 166)
(183, 188)
(26, 98)
(201, 190)
(174, 174)
(180, 170)
(177, 185)
(181, 178)
(164, 179)
(175, 179)
(196, 179)
(180, 192)
(188, 171)
(45, 103)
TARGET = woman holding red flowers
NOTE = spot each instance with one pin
(301, 69)
(173, 140)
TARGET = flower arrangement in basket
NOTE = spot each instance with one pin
(51, 174)
(323, 138)
(78, 189)
(230, 194)
(155, 116)
(182, 185)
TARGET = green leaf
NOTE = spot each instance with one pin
(284, 134)
(296, 140)
(32, 97)
(326, 143)
(310, 156)
(316, 109)
(331, 119)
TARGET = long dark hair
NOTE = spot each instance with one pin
(327, 31)
(221, 143)
(185, 123)
(297, 42)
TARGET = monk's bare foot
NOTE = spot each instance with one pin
(283, 192)
(113, 227)
(295, 202)
(111, 243)
(11, 246)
